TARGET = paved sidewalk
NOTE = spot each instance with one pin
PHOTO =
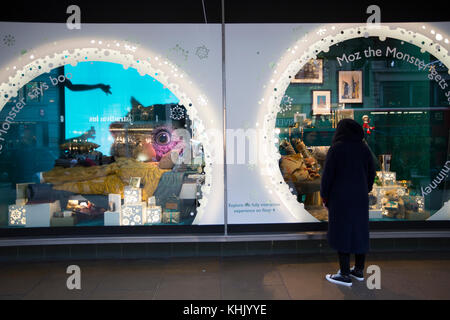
(403, 276)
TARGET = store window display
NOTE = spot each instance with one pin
(403, 111)
(99, 145)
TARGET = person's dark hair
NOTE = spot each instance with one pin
(348, 129)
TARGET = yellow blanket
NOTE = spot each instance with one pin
(110, 178)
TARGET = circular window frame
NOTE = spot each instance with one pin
(295, 57)
(72, 51)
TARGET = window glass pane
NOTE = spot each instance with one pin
(404, 115)
(126, 154)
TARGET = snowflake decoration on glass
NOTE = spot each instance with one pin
(286, 103)
(321, 31)
(180, 51)
(202, 100)
(9, 40)
(177, 113)
(202, 52)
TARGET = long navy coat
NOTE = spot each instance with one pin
(347, 178)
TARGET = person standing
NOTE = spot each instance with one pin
(347, 179)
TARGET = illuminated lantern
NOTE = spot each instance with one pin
(17, 215)
(133, 214)
(132, 195)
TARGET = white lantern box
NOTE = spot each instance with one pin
(33, 215)
(39, 215)
(375, 214)
(132, 195)
(17, 215)
(111, 218)
(114, 202)
(387, 177)
(133, 214)
(154, 214)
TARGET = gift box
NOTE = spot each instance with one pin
(171, 216)
(375, 214)
(133, 214)
(154, 214)
(114, 202)
(17, 215)
(132, 195)
(111, 218)
(172, 203)
(388, 178)
(39, 215)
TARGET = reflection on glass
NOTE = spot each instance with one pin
(96, 145)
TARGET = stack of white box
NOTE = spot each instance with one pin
(30, 215)
(134, 209)
(112, 216)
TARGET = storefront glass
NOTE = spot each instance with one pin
(103, 132)
(399, 94)
(127, 153)
(129, 128)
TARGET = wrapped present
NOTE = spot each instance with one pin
(114, 202)
(154, 214)
(17, 216)
(388, 178)
(172, 203)
(111, 218)
(152, 201)
(171, 216)
(133, 214)
(39, 215)
(132, 195)
(375, 214)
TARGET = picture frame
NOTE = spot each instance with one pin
(300, 118)
(135, 182)
(350, 86)
(321, 102)
(311, 72)
(345, 114)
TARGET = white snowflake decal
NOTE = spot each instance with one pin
(286, 103)
(202, 52)
(321, 31)
(9, 40)
(177, 113)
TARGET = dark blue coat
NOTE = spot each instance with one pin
(347, 178)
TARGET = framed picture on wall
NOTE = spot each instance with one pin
(321, 102)
(350, 85)
(312, 72)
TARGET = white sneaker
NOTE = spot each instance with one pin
(338, 278)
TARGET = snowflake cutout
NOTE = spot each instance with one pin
(180, 51)
(177, 113)
(321, 31)
(202, 100)
(202, 52)
(286, 103)
(9, 40)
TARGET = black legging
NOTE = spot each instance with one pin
(344, 261)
